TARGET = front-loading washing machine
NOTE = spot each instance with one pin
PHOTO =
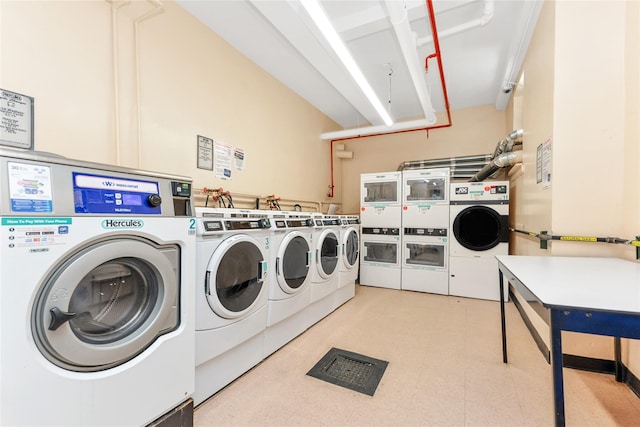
(479, 231)
(290, 273)
(232, 291)
(325, 270)
(96, 297)
(349, 258)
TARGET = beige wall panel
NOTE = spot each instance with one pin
(530, 202)
(59, 52)
(589, 121)
(631, 196)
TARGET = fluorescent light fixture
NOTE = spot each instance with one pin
(324, 25)
(375, 130)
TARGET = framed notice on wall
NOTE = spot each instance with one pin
(205, 153)
(16, 120)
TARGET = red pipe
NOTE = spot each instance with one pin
(332, 184)
(437, 54)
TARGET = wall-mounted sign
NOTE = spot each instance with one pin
(205, 153)
(16, 120)
(223, 155)
(546, 163)
(539, 164)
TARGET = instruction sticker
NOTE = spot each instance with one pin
(36, 234)
(30, 188)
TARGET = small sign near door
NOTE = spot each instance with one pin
(16, 120)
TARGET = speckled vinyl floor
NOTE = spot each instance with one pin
(445, 369)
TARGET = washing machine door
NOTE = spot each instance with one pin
(350, 248)
(480, 228)
(107, 302)
(234, 280)
(327, 253)
(292, 262)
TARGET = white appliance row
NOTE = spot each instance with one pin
(264, 277)
(122, 286)
(416, 237)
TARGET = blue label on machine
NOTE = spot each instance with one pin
(112, 195)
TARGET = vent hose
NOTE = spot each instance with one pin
(502, 156)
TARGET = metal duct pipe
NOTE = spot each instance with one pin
(479, 160)
(507, 144)
(502, 161)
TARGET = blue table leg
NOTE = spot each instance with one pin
(556, 366)
(502, 319)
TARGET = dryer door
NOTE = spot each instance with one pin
(292, 263)
(327, 253)
(107, 302)
(480, 228)
(350, 248)
(235, 276)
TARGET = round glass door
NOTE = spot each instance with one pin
(351, 250)
(327, 254)
(235, 276)
(107, 303)
(292, 263)
(479, 228)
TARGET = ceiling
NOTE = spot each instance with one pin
(482, 44)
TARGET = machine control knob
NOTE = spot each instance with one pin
(154, 200)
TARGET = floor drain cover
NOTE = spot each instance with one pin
(350, 370)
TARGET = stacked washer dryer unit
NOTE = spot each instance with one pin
(290, 278)
(232, 291)
(349, 258)
(425, 234)
(480, 230)
(381, 219)
(96, 295)
(325, 242)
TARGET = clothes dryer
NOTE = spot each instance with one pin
(290, 278)
(381, 199)
(425, 260)
(425, 198)
(349, 258)
(425, 223)
(231, 296)
(324, 279)
(380, 253)
(100, 329)
(480, 231)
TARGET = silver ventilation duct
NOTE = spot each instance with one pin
(502, 157)
(461, 167)
(475, 168)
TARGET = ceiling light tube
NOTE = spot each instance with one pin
(375, 130)
(324, 25)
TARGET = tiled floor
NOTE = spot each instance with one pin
(445, 368)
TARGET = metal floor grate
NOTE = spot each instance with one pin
(350, 370)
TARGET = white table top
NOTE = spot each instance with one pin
(609, 284)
